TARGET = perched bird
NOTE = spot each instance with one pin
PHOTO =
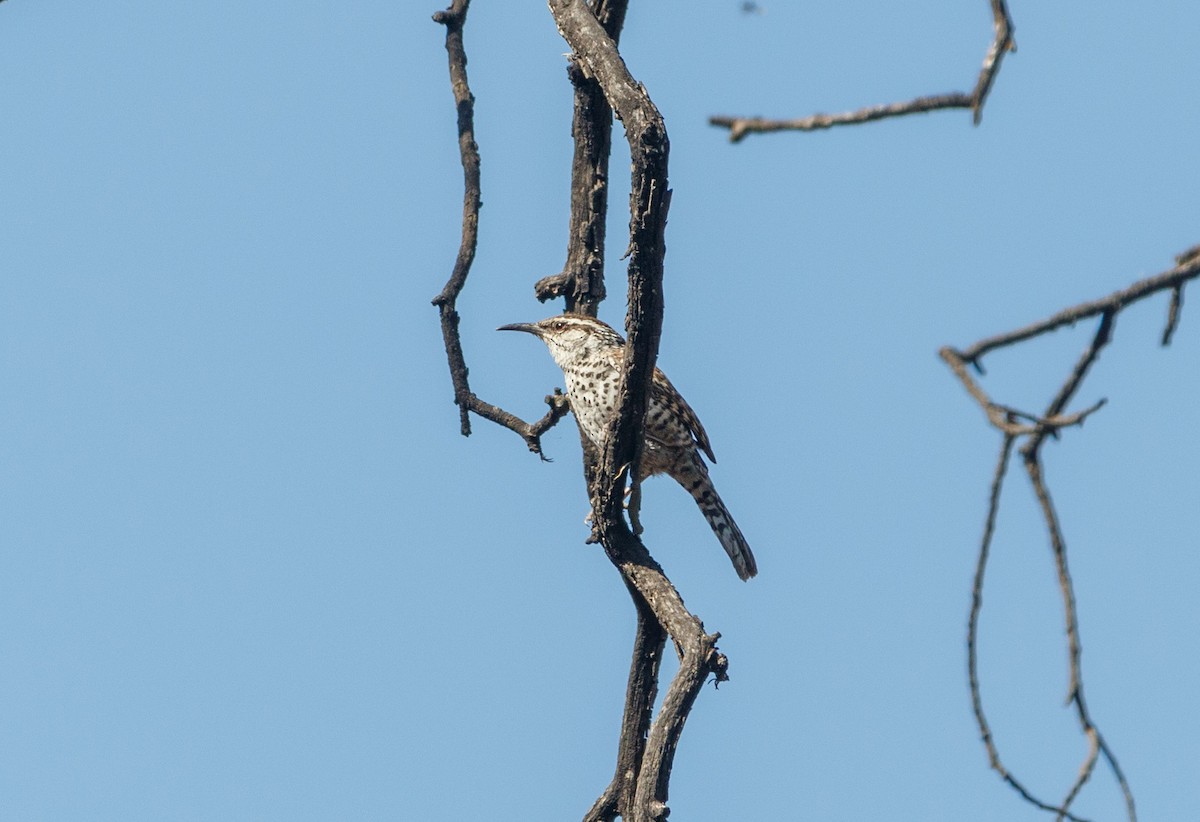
(590, 354)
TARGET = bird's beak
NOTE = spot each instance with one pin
(528, 327)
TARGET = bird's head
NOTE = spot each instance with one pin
(570, 336)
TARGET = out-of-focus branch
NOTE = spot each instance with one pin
(1034, 429)
(1187, 267)
(985, 731)
(1003, 417)
(1096, 743)
(453, 19)
(1002, 43)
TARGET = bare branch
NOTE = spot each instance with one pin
(1188, 268)
(1130, 809)
(985, 545)
(649, 201)
(739, 127)
(581, 282)
(1173, 315)
(1035, 430)
(453, 19)
(649, 641)
(1096, 742)
(1005, 417)
(1067, 590)
(639, 789)
(1186, 257)
(1002, 43)
(646, 132)
(1101, 338)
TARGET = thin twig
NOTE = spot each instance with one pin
(1001, 416)
(1002, 43)
(1173, 315)
(453, 19)
(1039, 427)
(1187, 269)
(1130, 810)
(1070, 614)
(1004, 417)
(739, 127)
(1074, 646)
(1085, 771)
(985, 545)
(1177, 296)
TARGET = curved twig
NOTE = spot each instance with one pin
(985, 731)
(453, 19)
(649, 201)
(1035, 432)
(1187, 268)
(1002, 43)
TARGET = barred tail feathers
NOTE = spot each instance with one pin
(695, 479)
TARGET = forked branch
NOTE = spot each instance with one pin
(1034, 429)
(1002, 43)
(985, 731)
(639, 789)
(647, 781)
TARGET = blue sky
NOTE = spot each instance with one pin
(252, 571)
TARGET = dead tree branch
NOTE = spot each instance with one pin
(1186, 268)
(640, 789)
(581, 282)
(581, 285)
(1034, 431)
(985, 545)
(453, 19)
(1002, 43)
(640, 693)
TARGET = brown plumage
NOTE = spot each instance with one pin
(590, 354)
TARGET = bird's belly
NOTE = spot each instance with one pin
(594, 410)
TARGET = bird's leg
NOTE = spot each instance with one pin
(633, 503)
(588, 519)
(633, 500)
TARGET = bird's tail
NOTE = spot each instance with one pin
(695, 479)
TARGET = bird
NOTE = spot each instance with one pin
(590, 354)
